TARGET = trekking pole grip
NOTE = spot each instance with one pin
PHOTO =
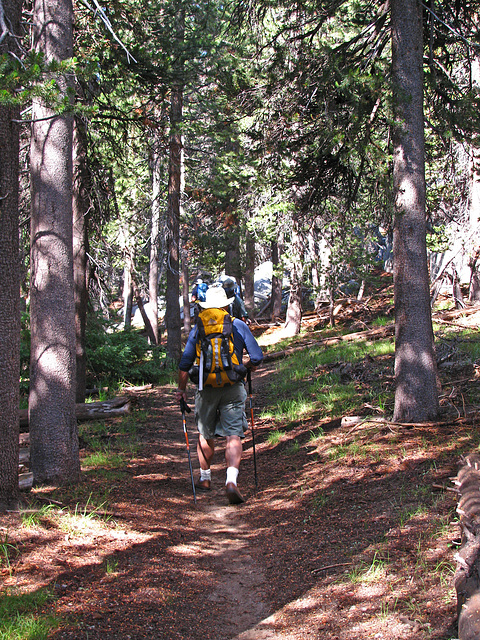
(184, 406)
(249, 380)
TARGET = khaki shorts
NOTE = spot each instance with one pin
(221, 411)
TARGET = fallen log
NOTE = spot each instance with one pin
(467, 574)
(92, 410)
(25, 481)
(103, 410)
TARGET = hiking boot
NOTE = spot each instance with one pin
(233, 494)
(203, 485)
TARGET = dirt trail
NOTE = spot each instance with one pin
(347, 538)
(240, 580)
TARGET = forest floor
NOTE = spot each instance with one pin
(348, 536)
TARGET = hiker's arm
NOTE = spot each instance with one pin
(186, 362)
(182, 385)
(251, 345)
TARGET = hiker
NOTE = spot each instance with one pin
(220, 396)
(198, 295)
(237, 308)
(199, 290)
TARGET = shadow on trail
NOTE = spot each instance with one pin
(294, 561)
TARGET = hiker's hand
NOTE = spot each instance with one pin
(179, 394)
(250, 366)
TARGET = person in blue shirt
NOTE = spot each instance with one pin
(220, 411)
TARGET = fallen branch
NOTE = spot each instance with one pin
(332, 566)
(92, 410)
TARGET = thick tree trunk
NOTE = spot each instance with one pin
(186, 293)
(416, 396)
(172, 315)
(53, 425)
(81, 207)
(10, 285)
(154, 238)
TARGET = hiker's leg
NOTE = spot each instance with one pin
(233, 455)
(233, 451)
(205, 451)
(205, 418)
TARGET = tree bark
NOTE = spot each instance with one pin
(233, 259)
(172, 314)
(249, 292)
(53, 425)
(293, 321)
(127, 294)
(154, 237)
(185, 293)
(416, 396)
(146, 320)
(81, 207)
(474, 212)
(10, 278)
(277, 279)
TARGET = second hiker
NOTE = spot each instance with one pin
(213, 360)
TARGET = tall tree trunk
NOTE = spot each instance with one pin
(172, 315)
(155, 237)
(53, 424)
(186, 293)
(127, 292)
(9, 278)
(146, 320)
(277, 276)
(293, 320)
(416, 396)
(233, 258)
(474, 212)
(249, 292)
(81, 206)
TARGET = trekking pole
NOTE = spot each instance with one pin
(185, 408)
(249, 380)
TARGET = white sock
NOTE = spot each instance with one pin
(232, 474)
(205, 474)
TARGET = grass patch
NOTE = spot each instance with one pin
(104, 458)
(21, 618)
(311, 382)
(8, 551)
(362, 573)
(274, 437)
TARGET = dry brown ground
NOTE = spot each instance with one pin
(350, 536)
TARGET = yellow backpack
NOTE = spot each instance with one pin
(216, 358)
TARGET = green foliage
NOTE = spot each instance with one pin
(113, 356)
(438, 239)
(120, 356)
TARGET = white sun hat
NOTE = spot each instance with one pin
(216, 298)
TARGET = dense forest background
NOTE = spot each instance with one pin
(155, 143)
